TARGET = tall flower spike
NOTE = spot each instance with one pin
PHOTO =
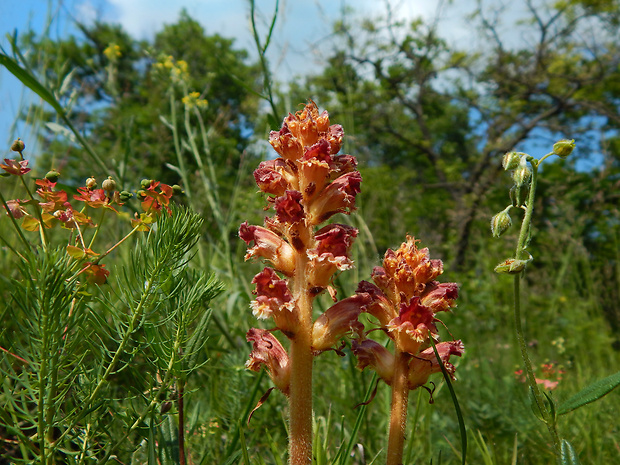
(306, 185)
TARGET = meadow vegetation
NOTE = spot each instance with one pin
(124, 319)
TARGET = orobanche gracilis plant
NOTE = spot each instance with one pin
(306, 186)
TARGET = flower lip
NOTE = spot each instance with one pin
(268, 351)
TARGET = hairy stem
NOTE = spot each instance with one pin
(300, 396)
(398, 415)
(529, 372)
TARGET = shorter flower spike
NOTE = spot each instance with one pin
(268, 351)
(405, 300)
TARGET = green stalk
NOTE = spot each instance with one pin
(39, 215)
(14, 221)
(531, 379)
(42, 380)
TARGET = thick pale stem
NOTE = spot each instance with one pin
(300, 395)
(398, 416)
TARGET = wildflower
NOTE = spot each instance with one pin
(15, 167)
(95, 274)
(306, 185)
(112, 52)
(193, 99)
(156, 201)
(268, 351)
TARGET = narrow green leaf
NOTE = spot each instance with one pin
(590, 393)
(29, 81)
(457, 407)
(569, 456)
(152, 455)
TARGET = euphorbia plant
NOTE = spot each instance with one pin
(306, 185)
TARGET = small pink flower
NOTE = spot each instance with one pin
(270, 246)
(272, 177)
(268, 351)
(273, 299)
(337, 197)
(425, 363)
(18, 211)
(340, 319)
(411, 327)
(289, 208)
(372, 354)
(380, 307)
(331, 253)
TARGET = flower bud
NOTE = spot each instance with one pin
(146, 183)
(177, 190)
(52, 176)
(522, 174)
(563, 148)
(512, 266)
(109, 184)
(501, 222)
(165, 407)
(511, 160)
(518, 194)
(91, 183)
(125, 196)
(18, 145)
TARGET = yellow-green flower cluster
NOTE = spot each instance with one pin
(179, 70)
(193, 100)
(112, 52)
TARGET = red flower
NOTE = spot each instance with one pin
(156, 201)
(17, 168)
(331, 253)
(425, 363)
(94, 198)
(269, 246)
(337, 197)
(273, 299)
(95, 274)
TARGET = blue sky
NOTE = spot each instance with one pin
(300, 27)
